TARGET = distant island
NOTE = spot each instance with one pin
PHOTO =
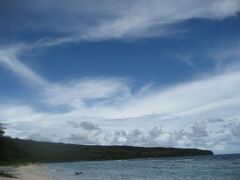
(17, 151)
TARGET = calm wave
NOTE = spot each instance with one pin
(219, 167)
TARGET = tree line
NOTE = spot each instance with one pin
(17, 151)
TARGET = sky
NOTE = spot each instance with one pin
(132, 72)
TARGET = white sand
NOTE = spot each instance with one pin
(30, 172)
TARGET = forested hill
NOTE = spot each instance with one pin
(26, 151)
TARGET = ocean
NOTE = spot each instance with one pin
(217, 167)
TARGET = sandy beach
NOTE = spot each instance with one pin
(30, 172)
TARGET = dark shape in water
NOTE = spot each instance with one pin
(78, 173)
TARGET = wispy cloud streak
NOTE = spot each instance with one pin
(8, 58)
(110, 19)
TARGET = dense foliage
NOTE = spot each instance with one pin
(1, 140)
(1, 130)
(24, 151)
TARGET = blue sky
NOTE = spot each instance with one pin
(142, 73)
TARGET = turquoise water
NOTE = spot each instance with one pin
(219, 167)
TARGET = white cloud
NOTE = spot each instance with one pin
(150, 18)
(84, 92)
(8, 58)
(111, 19)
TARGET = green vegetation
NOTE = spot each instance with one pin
(15, 151)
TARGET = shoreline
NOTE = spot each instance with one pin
(29, 172)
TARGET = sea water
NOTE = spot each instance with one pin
(217, 167)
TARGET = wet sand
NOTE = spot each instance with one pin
(29, 172)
